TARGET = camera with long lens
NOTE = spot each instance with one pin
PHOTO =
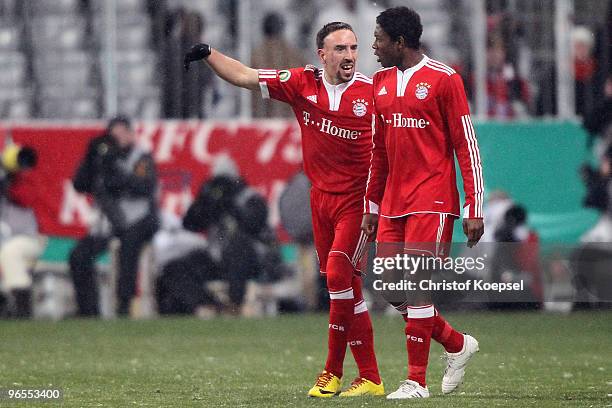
(16, 158)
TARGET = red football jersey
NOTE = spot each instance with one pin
(336, 124)
(422, 120)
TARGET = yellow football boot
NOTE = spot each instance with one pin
(363, 386)
(326, 386)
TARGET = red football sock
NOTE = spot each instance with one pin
(361, 337)
(443, 333)
(341, 310)
(418, 338)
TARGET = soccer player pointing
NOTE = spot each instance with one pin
(422, 120)
(334, 110)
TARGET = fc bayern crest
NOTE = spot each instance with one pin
(422, 90)
(360, 107)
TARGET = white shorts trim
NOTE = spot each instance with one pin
(419, 212)
(340, 252)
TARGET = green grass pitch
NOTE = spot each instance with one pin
(525, 359)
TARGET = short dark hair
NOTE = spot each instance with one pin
(330, 28)
(119, 120)
(402, 22)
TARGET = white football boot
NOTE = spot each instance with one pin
(456, 362)
(409, 389)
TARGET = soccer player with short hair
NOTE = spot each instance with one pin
(422, 120)
(334, 111)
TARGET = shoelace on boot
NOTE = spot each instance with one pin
(323, 379)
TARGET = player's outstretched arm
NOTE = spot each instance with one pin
(229, 69)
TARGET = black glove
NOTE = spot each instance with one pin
(196, 53)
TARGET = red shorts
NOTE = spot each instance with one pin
(423, 233)
(336, 224)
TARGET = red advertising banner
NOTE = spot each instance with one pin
(267, 153)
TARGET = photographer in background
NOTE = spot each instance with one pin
(599, 196)
(240, 246)
(121, 178)
(598, 122)
(516, 259)
(20, 242)
(591, 262)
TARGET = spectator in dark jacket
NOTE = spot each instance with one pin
(599, 197)
(240, 246)
(598, 122)
(121, 178)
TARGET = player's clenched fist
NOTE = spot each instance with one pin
(369, 223)
(196, 53)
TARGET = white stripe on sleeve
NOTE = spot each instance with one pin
(470, 136)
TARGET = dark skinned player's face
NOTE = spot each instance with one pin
(387, 50)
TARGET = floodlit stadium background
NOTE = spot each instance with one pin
(68, 65)
(533, 70)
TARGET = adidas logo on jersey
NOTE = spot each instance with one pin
(312, 98)
(383, 91)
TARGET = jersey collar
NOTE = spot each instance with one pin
(334, 92)
(403, 77)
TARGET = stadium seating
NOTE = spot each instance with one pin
(13, 68)
(52, 32)
(15, 94)
(15, 104)
(55, 7)
(70, 69)
(139, 94)
(8, 9)
(9, 37)
(62, 61)
(437, 35)
(123, 7)
(51, 52)
(145, 105)
(15, 97)
(46, 45)
(82, 108)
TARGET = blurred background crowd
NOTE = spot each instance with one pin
(238, 241)
(82, 59)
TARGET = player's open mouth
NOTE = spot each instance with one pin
(346, 67)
